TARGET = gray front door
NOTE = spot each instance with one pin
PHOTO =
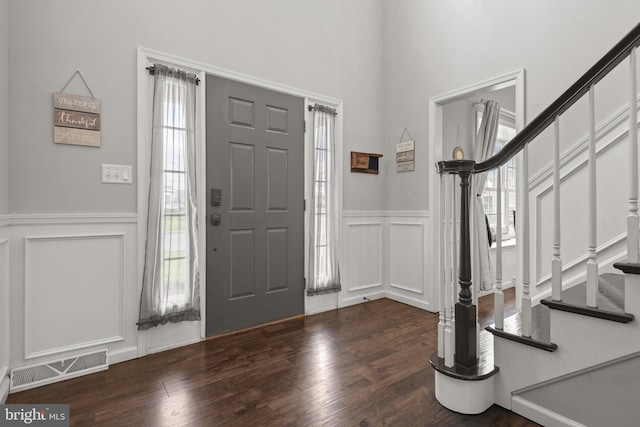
(255, 205)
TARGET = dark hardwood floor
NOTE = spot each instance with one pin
(486, 307)
(365, 365)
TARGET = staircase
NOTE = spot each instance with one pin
(574, 358)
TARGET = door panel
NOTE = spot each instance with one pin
(255, 271)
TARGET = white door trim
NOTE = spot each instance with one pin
(436, 106)
(145, 58)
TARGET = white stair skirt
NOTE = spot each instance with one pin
(464, 396)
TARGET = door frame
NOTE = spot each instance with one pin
(436, 153)
(147, 57)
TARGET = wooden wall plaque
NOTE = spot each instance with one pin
(76, 119)
(68, 101)
(405, 156)
(76, 136)
(364, 162)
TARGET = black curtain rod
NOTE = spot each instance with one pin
(152, 71)
(323, 108)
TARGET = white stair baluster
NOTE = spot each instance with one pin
(526, 262)
(498, 296)
(443, 276)
(454, 264)
(450, 294)
(556, 261)
(633, 237)
(592, 262)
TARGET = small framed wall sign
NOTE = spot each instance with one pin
(405, 156)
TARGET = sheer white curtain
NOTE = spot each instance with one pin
(485, 145)
(170, 284)
(324, 273)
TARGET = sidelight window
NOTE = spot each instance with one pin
(323, 252)
(170, 289)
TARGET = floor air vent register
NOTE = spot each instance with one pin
(26, 377)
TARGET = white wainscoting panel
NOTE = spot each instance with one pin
(363, 262)
(411, 265)
(386, 255)
(74, 290)
(4, 318)
(406, 256)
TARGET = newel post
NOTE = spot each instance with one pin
(466, 352)
(466, 355)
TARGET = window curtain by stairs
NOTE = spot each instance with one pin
(323, 270)
(170, 284)
(485, 146)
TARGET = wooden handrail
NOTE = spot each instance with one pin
(596, 73)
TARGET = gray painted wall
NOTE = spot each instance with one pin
(435, 47)
(333, 48)
(385, 59)
(4, 105)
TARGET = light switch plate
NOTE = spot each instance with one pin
(116, 174)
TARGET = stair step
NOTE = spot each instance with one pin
(610, 300)
(627, 268)
(540, 329)
(483, 370)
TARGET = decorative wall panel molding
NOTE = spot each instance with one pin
(67, 218)
(611, 137)
(385, 214)
(74, 292)
(616, 242)
(364, 214)
(619, 118)
(385, 254)
(406, 256)
(363, 260)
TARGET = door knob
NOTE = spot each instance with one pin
(215, 219)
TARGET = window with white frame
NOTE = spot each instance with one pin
(506, 131)
(174, 224)
(323, 269)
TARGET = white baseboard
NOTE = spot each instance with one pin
(362, 298)
(541, 415)
(173, 345)
(321, 303)
(123, 355)
(414, 302)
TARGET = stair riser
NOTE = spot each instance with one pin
(632, 294)
(582, 342)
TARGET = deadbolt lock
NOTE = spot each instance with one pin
(216, 219)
